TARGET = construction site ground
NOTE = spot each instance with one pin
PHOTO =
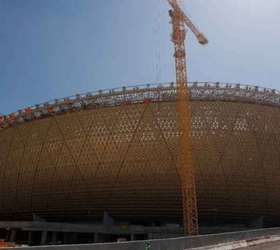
(266, 246)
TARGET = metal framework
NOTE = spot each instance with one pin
(211, 91)
(117, 152)
(186, 168)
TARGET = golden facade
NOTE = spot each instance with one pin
(121, 157)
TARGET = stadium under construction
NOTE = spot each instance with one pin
(107, 161)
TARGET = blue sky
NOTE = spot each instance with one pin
(55, 48)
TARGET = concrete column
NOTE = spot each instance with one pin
(96, 238)
(74, 238)
(65, 238)
(30, 238)
(54, 237)
(131, 237)
(13, 234)
(44, 238)
(7, 235)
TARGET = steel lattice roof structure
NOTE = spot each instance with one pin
(117, 150)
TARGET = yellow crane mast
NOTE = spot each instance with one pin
(179, 22)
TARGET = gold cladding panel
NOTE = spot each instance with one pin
(123, 160)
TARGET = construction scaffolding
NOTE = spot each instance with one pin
(142, 94)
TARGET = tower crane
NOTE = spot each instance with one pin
(179, 22)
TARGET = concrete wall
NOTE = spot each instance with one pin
(168, 244)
